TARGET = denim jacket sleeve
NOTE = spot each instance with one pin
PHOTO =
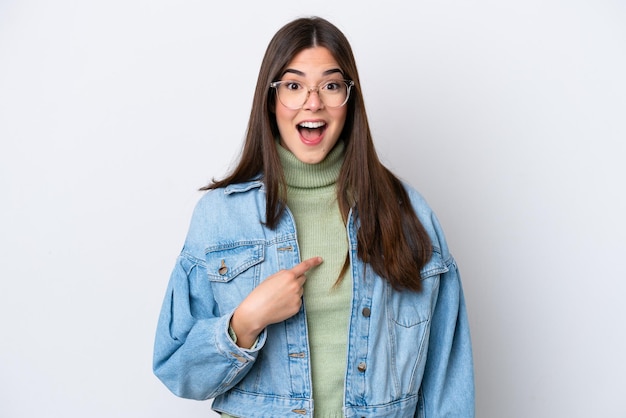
(448, 384)
(194, 356)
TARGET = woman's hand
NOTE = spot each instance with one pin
(277, 298)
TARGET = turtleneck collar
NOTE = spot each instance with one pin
(308, 176)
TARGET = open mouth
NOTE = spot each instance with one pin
(311, 131)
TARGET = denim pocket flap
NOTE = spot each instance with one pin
(225, 262)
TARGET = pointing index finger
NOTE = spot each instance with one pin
(306, 265)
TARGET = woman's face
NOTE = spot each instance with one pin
(311, 132)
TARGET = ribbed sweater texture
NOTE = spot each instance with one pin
(312, 199)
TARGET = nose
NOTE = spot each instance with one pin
(313, 101)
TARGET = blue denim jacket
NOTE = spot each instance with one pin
(409, 354)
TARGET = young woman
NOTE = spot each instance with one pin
(313, 282)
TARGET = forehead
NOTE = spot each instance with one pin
(316, 61)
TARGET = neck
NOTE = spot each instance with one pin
(302, 175)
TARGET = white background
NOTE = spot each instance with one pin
(509, 116)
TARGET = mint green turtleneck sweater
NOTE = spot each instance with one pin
(312, 199)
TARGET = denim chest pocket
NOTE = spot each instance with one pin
(233, 270)
(409, 309)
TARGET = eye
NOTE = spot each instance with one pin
(291, 85)
(332, 85)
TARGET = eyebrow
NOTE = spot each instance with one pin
(300, 73)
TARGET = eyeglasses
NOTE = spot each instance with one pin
(293, 95)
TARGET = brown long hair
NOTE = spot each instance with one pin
(390, 236)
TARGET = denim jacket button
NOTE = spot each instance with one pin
(223, 269)
(241, 358)
(362, 367)
(366, 312)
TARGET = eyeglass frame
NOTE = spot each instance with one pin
(276, 84)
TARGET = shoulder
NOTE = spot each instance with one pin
(420, 205)
(428, 218)
(225, 212)
(233, 194)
